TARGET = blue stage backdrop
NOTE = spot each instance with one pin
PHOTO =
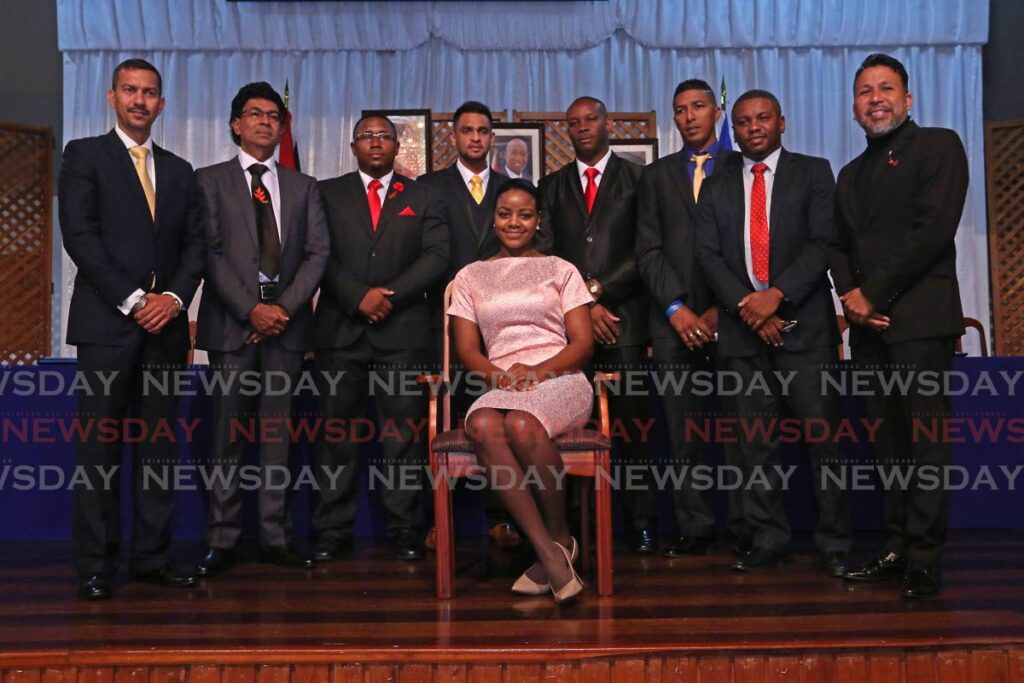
(37, 462)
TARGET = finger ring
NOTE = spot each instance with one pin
(699, 333)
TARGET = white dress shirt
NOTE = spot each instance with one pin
(385, 182)
(467, 175)
(772, 162)
(270, 181)
(602, 164)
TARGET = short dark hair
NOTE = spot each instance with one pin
(695, 84)
(250, 91)
(374, 115)
(757, 95)
(879, 59)
(472, 107)
(518, 184)
(587, 98)
(136, 65)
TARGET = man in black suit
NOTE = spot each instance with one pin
(588, 218)
(131, 219)
(683, 317)
(266, 252)
(762, 224)
(389, 245)
(468, 189)
(893, 259)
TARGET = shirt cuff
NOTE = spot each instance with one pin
(181, 306)
(128, 304)
(673, 307)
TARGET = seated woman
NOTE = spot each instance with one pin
(532, 311)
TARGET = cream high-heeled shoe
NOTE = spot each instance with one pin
(574, 587)
(524, 585)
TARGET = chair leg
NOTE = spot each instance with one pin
(443, 551)
(585, 526)
(603, 509)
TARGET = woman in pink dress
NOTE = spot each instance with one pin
(532, 311)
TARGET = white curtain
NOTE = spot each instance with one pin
(341, 58)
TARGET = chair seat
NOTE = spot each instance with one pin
(456, 441)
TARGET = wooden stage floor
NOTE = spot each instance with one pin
(370, 618)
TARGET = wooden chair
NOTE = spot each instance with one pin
(585, 453)
(971, 323)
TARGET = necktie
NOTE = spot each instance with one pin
(266, 224)
(590, 193)
(139, 153)
(698, 173)
(374, 199)
(476, 188)
(759, 224)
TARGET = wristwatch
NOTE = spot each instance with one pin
(594, 287)
(140, 304)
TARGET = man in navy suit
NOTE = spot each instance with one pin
(266, 252)
(389, 245)
(762, 224)
(131, 220)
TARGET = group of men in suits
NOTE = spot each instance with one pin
(713, 258)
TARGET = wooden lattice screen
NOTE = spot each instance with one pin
(1004, 171)
(441, 125)
(26, 201)
(557, 146)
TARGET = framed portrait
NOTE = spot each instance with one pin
(414, 137)
(518, 150)
(641, 151)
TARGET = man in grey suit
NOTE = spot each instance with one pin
(267, 249)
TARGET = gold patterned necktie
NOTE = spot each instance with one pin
(476, 188)
(698, 173)
(139, 153)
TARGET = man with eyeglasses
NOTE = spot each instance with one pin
(266, 252)
(389, 245)
(763, 221)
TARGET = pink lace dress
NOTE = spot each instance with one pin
(519, 304)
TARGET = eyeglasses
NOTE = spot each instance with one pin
(257, 115)
(379, 136)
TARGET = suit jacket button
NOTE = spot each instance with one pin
(589, 240)
(373, 254)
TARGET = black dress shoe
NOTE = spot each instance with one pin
(285, 557)
(96, 587)
(168, 577)
(834, 563)
(642, 542)
(216, 561)
(760, 558)
(921, 581)
(409, 545)
(742, 545)
(886, 568)
(689, 545)
(330, 549)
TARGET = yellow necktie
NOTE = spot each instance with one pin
(139, 154)
(476, 188)
(698, 173)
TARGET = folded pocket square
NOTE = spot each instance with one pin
(407, 211)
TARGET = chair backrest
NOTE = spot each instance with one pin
(446, 365)
(971, 323)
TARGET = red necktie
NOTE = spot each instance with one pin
(759, 224)
(590, 193)
(374, 199)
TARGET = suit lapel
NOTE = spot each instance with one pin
(681, 179)
(360, 206)
(880, 190)
(243, 196)
(780, 187)
(575, 189)
(392, 201)
(606, 188)
(287, 191)
(461, 192)
(736, 201)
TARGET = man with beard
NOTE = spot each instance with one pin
(131, 219)
(468, 188)
(893, 259)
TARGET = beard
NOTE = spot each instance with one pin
(874, 130)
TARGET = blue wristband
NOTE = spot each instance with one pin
(673, 307)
